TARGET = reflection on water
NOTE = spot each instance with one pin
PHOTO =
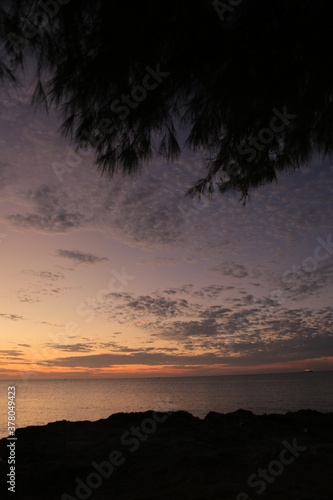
(40, 402)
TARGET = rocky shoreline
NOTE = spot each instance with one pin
(149, 455)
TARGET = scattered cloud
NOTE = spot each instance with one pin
(34, 293)
(231, 269)
(11, 354)
(12, 317)
(48, 275)
(54, 211)
(54, 223)
(81, 257)
(158, 306)
(278, 340)
(225, 321)
(79, 347)
(299, 285)
(237, 319)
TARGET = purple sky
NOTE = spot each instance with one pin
(129, 277)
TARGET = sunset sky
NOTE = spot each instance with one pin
(129, 277)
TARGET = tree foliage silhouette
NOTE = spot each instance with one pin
(229, 72)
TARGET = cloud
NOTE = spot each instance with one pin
(23, 296)
(124, 306)
(79, 347)
(185, 289)
(211, 291)
(81, 257)
(231, 269)
(215, 312)
(13, 317)
(297, 286)
(35, 293)
(246, 250)
(48, 275)
(11, 354)
(148, 209)
(237, 325)
(158, 306)
(43, 286)
(107, 360)
(55, 223)
(194, 328)
(52, 210)
(95, 344)
(301, 281)
(278, 340)
(145, 211)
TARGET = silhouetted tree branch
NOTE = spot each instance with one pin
(251, 81)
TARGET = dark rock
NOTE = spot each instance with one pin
(174, 455)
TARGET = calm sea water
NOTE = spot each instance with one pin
(43, 401)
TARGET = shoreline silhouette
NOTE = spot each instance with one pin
(176, 455)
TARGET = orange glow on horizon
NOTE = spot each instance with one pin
(141, 371)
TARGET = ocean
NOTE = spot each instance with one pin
(42, 401)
